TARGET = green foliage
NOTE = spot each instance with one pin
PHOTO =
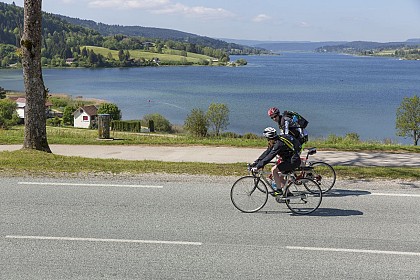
(56, 121)
(218, 117)
(64, 38)
(160, 123)
(68, 118)
(251, 136)
(241, 62)
(8, 114)
(129, 126)
(112, 109)
(58, 102)
(196, 123)
(408, 118)
(2, 93)
(349, 138)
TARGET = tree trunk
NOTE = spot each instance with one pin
(35, 136)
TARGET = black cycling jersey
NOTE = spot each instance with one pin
(286, 146)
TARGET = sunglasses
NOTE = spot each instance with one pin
(273, 117)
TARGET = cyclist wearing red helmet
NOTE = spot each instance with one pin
(286, 124)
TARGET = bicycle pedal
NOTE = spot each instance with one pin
(280, 199)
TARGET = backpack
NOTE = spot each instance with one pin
(297, 118)
(292, 143)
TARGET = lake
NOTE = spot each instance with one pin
(338, 94)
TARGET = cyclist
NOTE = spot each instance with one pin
(285, 146)
(287, 125)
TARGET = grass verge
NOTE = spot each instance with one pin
(77, 136)
(32, 162)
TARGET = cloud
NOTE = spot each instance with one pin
(163, 7)
(261, 18)
(303, 24)
(198, 11)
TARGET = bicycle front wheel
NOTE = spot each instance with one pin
(249, 194)
(303, 197)
(323, 174)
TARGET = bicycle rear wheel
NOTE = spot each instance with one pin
(249, 194)
(323, 174)
(303, 197)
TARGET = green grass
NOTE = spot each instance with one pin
(31, 162)
(35, 162)
(75, 136)
(168, 56)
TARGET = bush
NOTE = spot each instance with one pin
(250, 136)
(128, 126)
(160, 123)
(352, 137)
(56, 121)
(8, 114)
(230, 135)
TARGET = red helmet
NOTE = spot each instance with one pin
(273, 112)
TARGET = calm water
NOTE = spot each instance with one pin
(337, 93)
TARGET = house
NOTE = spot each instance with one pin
(21, 104)
(85, 116)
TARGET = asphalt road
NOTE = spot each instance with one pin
(185, 227)
(222, 154)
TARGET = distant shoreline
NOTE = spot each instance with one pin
(95, 101)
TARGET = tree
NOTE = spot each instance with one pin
(112, 109)
(408, 118)
(196, 123)
(68, 118)
(218, 117)
(35, 136)
(8, 114)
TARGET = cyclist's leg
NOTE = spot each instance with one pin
(280, 181)
(288, 165)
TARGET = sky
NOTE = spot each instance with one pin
(263, 20)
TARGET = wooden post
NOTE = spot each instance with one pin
(104, 123)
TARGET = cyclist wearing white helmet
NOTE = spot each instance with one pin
(285, 146)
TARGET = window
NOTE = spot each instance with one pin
(85, 118)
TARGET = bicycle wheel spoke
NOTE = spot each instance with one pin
(323, 174)
(304, 197)
(249, 194)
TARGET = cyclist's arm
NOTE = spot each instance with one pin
(269, 154)
(286, 127)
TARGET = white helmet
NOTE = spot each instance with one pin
(270, 133)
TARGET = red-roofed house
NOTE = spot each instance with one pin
(85, 116)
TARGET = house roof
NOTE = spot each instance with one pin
(91, 110)
(23, 100)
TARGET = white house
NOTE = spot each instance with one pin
(21, 104)
(85, 116)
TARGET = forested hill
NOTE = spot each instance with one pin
(67, 44)
(153, 32)
(11, 26)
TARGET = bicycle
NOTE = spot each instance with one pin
(320, 171)
(249, 193)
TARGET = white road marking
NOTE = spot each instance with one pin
(103, 240)
(89, 185)
(353, 251)
(397, 194)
